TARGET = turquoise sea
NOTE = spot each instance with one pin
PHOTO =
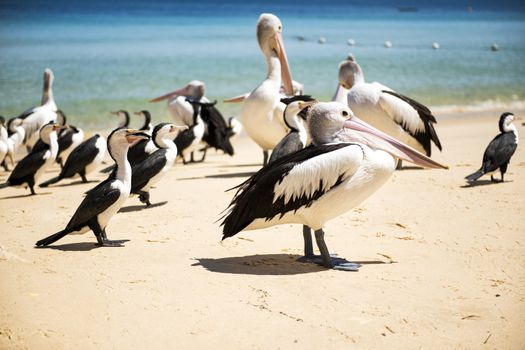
(108, 56)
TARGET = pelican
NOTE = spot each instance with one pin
(262, 111)
(397, 115)
(35, 118)
(347, 162)
(180, 109)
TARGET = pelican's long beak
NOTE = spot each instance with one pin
(134, 135)
(179, 92)
(286, 75)
(236, 99)
(389, 144)
(340, 94)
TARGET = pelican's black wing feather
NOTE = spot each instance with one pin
(255, 197)
(424, 137)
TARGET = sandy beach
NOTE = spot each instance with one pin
(443, 264)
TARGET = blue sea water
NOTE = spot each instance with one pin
(108, 56)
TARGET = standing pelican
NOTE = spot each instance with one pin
(262, 111)
(396, 115)
(346, 163)
(35, 118)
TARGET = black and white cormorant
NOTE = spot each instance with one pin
(4, 143)
(234, 128)
(68, 139)
(141, 149)
(216, 131)
(122, 123)
(32, 166)
(499, 151)
(105, 199)
(346, 163)
(83, 160)
(148, 172)
(189, 140)
(297, 136)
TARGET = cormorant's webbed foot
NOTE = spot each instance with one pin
(108, 243)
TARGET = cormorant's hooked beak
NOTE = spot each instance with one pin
(178, 127)
(179, 92)
(134, 135)
(137, 113)
(57, 127)
(115, 112)
(389, 144)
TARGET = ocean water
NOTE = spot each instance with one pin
(116, 56)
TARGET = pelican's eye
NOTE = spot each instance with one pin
(280, 28)
(344, 113)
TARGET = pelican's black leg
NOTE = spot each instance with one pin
(308, 246)
(329, 261)
(265, 157)
(203, 154)
(191, 158)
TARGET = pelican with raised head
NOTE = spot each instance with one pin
(347, 162)
(34, 118)
(104, 200)
(396, 115)
(262, 110)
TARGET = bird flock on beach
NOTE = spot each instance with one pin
(320, 158)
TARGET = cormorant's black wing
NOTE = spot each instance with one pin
(184, 139)
(426, 117)
(65, 140)
(217, 132)
(96, 201)
(137, 153)
(80, 157)
(499, 151)
(27, 166)
(289, 144)
(255, 197)
(39, 146)
(145, 170)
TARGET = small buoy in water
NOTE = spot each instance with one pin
(435, 45)
(388, 44)
(350, 42)
(322, 40)
(300, 38)
(494, 47)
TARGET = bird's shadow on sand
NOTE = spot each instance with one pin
(411, 167)
(240, 165)
(26, 195)
(482, 183)
(131, 208)
(230, 175)
(267, 264)
(74, 183)
(79, 247)
(220, 176)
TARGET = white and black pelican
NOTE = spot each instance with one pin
(180, 109)
(105, 199)
(499, 151)
(33, 166)
(35, 118)
(347, 162)
(262, 111)
(148, 172)
(397, 115)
